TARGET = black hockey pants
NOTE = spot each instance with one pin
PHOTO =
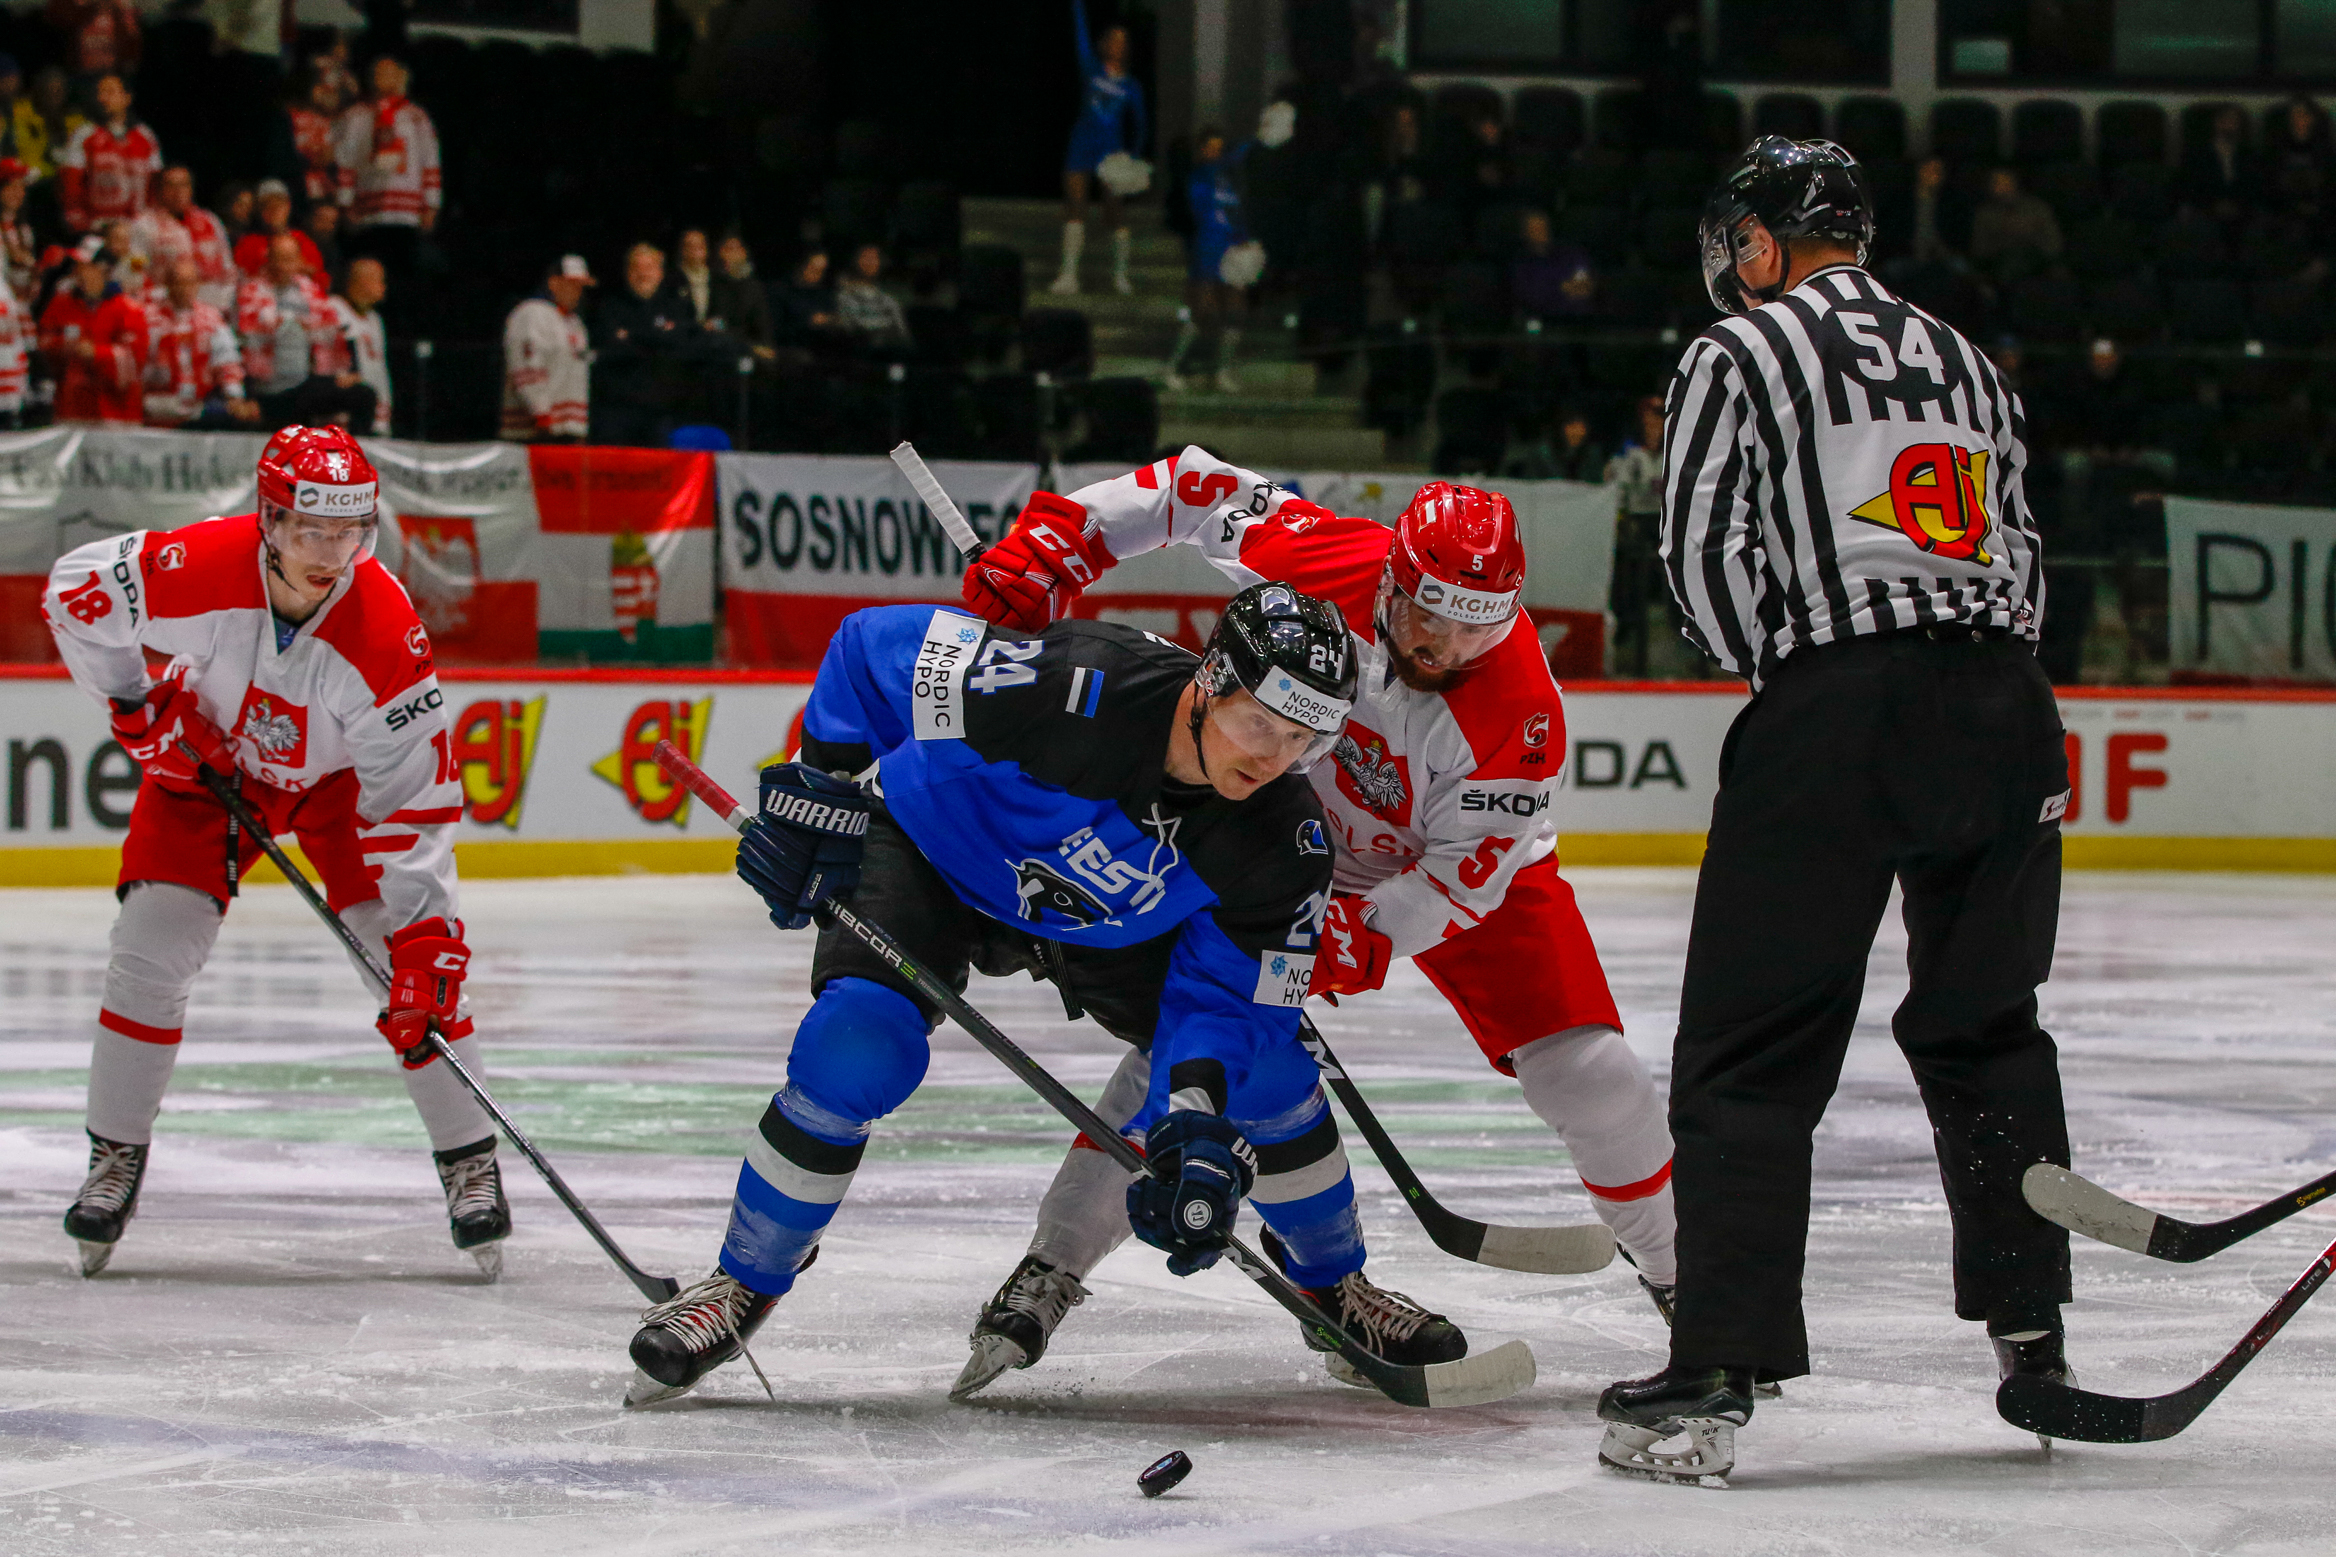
(1938, 764)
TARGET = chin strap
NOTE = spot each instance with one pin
(1200, 752)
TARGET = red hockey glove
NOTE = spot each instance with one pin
(426, 962)
(151, 732)
(1354, 956)
(1028, 580)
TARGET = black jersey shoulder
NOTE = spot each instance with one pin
(1267, 859)
(1085, 706)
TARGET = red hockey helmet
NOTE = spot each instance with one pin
(318, 490)
(1457, 570)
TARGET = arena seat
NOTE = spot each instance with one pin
(1792, 114)
(1617, 118)
(2206, 312)
(1399, 377)
(1871, 127)
(1967, 131)
(2131, 131)
(2127, 310)
(2047, 129)
(2288, 311)
(1472, 431)
(1547, 119)
(1123, 422)
(1058, 341)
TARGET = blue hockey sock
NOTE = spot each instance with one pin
(798, 1166)
(859, 1052)
(1306, 1194)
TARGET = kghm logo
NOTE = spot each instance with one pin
(1937, 500)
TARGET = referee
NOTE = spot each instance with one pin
(1844, 526)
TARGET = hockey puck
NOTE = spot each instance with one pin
(1165, 1472)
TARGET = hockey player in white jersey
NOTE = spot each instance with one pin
(296, 665)
(1438, 803)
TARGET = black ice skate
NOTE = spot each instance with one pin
(1707, 1405)
(2038, 1354)
(1388, 1323)
(1016, 1324)
(684, 1338)
(1665, 1296)
(475, 1208)
(108, 1199)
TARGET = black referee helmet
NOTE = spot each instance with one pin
(1795, 189)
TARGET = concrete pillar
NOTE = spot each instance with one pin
(1914, 65)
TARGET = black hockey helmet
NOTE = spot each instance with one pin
(1795, 189)
(1290, 652)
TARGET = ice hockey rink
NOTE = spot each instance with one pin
(287, 1356)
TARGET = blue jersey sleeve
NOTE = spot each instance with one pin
(1221, 1009)
(860, 698)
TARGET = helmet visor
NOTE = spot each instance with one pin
(1715, 238)
(1265, 737)
(1438, 642)
(318, 541)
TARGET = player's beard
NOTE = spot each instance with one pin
(1418, 677)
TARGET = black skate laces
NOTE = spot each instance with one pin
(1042, 1292)
(472, 1184)
(1380, 1314)
(113, 1175)
(704, 1312)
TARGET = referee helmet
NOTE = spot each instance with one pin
(1794, 189)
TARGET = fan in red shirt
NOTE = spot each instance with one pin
(95, 339)
(106, 169)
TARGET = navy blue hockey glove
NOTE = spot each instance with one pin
(804, 846)
(1201, 1172)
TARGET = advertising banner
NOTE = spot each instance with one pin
(558, 775)
(510, 552)
(2252, 591)
(808, 539)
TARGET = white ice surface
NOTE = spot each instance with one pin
(287, 1356)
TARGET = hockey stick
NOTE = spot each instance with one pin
(1472, 1381)
(928, 487)
(655, 1288)
(1548, 1251)
(2058, 1411)
(2082, 1206)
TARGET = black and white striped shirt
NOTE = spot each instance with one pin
(1840, 463)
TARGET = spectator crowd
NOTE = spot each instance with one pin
(123, 300)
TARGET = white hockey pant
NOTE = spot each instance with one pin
(1588, 1086)
(161, 939)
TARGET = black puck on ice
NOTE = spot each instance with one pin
(1165, 1472)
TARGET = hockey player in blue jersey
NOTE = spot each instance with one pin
(1111, 120)
(1092, 804)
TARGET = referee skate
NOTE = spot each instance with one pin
(1339, 776)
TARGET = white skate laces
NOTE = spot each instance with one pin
(471, 1183)
(706, 1311)
(113, 1176)
(1379, 1315)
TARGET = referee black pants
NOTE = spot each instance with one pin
(1935, 764)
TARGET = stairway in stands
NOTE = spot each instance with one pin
(1279, 420)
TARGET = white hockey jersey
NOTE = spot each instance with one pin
(356, 688)
(547, 372)
(1435, 800)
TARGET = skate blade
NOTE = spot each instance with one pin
(1705, 1462)
(646, 1391)
(1344, 1371)
(490, 1258)
(94, 1256)
(992, 1356)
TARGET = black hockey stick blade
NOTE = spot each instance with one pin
(1547, 1251)
(655, 1288)
(2058, 1411)
(2078, 1204)
(1471, 1381)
